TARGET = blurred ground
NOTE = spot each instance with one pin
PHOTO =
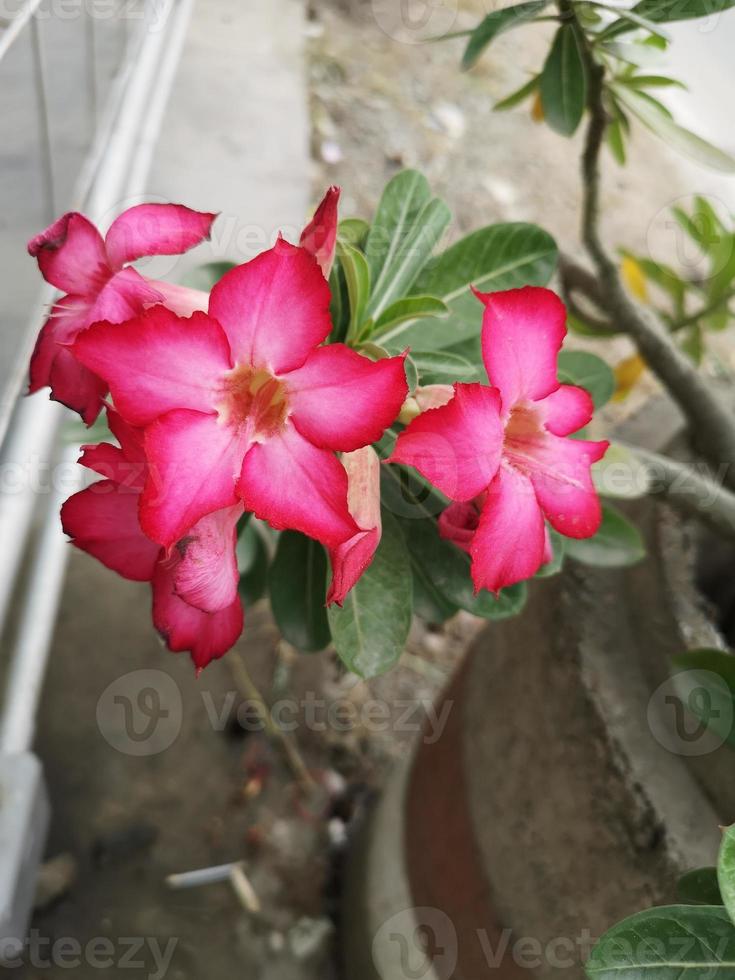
(217, 793)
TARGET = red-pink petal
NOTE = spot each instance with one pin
(457, 447)
(131, 439)
(458, 523)
(560, 472)
(206, 576)
(206, 636)
(75, 386)
(155, 229)
(319, 238)
(274, 309)
(341, 400)
(508, 545)
(567, 409)
(71, 255)
(103, 521)
(157, 362)
(292, 484)
(193, 467)
(522, 333)
(350, 559)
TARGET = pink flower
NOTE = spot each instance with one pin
(319, 238)
(350, 559)
(196, 606)
(243, 405)
(99, 285)
(501, 451)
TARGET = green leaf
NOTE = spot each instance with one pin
(653, 81)
(207, 275)
(726, 870)
(705, 682)
(520, 95)
(699, 887)
(669, 943)
(428, 603)
(339, 306)
(407, 227)
(559, 547)
(564, 82)
(667, 11)
(637, 20)
(496, 23)
(297, 584)
(353, 231)
(621, 474)
(576, 367)
(252, 564)
(357, 276)
(616, 141)
(370, 630)
(617, 544)
(654, 118)
(448, 569)
(409, 308)
(441, 367)
(501, 256)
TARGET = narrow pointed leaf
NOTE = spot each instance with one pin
(501, 256)
(496, 23)
(564, 82)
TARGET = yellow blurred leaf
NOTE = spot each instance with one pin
(627, 373)
(537, 109)
(634, 278)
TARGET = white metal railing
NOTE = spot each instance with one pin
(115, 170)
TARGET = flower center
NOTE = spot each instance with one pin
(522, 431)
(254, 399)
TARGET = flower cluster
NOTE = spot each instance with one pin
(234, 403)
(233, 409)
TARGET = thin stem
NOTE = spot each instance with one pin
(712, 425)
(691, 492)
(249, 690)
(714, 307)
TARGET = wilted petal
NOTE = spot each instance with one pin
(71, 255)
(274, 309)
(194, 464)
(508, 545)
(457, 447)
(155, 229)
(292, 484)
(157, 362)
(433, 396)
(103, 521)
(206, 576)
(522, 333)
(350, 559)
(319, 238)
(342, 400)
(206, 636)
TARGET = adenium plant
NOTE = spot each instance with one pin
(263, 416)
